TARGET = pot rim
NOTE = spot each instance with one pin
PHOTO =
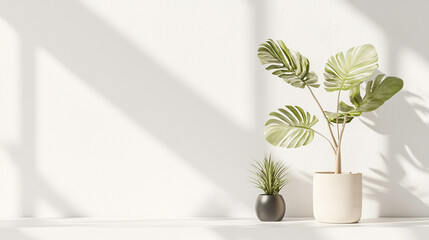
(343, 173)
(263, 194)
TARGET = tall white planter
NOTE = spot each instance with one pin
(337, 198)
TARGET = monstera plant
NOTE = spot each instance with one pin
(345, 73)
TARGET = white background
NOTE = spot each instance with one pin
(155, 109)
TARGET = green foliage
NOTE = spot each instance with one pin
(347, 70)
(354, 95)
(290, 127)
(332, 117)
(269, 176)
(287, 64)
(377, 92)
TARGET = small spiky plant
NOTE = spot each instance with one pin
(270, 175)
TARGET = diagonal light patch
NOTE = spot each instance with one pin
(99, 158)
(216, 69)
(144, 91)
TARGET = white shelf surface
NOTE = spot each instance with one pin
(210, 229)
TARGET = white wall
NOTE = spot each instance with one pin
(155, 109)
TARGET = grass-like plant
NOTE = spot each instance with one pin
(270, 175)
(292, 127)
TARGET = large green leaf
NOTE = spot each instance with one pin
(332, 116)
(290, 127)
(376, 93)
(287, 64)
(354, 95)
(379, 91)
(347, 70)
(344, 107)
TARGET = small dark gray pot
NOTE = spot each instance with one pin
(270, 207)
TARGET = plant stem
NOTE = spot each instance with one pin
(323, 112)
(342, 131)
(338, 161)
(338, 108)
(338, 154)
(327, 139)
(338, 150)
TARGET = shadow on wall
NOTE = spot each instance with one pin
(405, 23)
(145, 92)
(407, 136)
(33, 186)
(398, 119)
(299, 195)
(131, 81)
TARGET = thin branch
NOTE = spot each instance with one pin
(338, 108)
(338, 130)
(327, 139)
(342, 132)
(323, 112)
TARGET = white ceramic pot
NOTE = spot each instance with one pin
(337, 198)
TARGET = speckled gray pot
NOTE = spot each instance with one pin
(270, 207)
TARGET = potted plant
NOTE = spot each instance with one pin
(337, 196)
(270, 177)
